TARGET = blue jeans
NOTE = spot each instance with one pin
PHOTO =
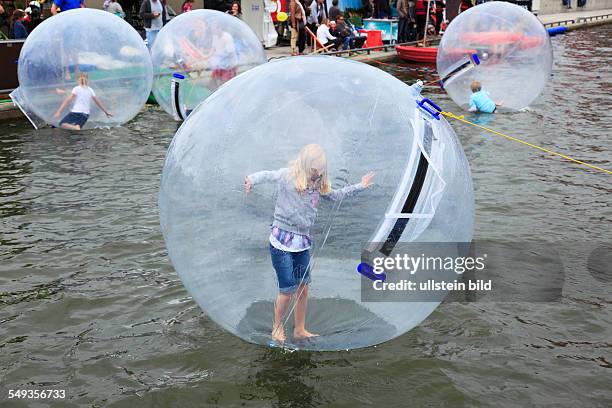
(151, 36)
(292, 269)
(346, 42)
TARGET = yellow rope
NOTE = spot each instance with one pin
(462, 119)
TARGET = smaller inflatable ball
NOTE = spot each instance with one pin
(201, 50)
(80, 58)
(328, 122)
(512, 46)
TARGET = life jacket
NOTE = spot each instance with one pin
(420, 8)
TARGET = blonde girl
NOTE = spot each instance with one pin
(82, 95)
(299, 188)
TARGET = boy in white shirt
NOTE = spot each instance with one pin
(82, 95)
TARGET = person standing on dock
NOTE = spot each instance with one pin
(187, 6)
(2, 19)
(420, 13)
(298, 22)
(115, 8)
(404, 19)
(316, 16)
(383, 9)
(153, 14)
(464, 5)
(411, 34)
(235, 10)
(334, 11)
(18, 30)
(317, 8)
(439, 11)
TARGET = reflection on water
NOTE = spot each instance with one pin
(285, 378)
(90, 303)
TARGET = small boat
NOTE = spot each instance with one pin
(417, 54)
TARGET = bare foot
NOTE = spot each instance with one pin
(70, 126)
(278, 334)
(303, 334)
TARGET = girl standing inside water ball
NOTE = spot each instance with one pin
(299, 188)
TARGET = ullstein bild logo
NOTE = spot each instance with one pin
(459, 271)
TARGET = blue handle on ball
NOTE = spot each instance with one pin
(475, 59)
(436, 113)
(367, 271)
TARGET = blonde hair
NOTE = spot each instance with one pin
(312, 156)
(475, 85)
(83, 79)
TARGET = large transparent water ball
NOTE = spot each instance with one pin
(365, 120)
(205, 48)
(94, 42)
(513, 48)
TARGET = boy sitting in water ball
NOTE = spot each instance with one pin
(480, 100)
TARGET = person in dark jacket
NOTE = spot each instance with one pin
(334, 11)
(350, 36)
(439, 14)
(383, 9)
(153, 13)
(18, 30)
(404, 19)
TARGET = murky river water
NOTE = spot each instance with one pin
(91, 304)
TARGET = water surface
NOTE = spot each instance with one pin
(92, 305)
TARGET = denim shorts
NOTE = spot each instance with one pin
(292, 268)
(75, 118)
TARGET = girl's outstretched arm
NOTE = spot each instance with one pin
(63, 105)
(347, 191)
(101, 106)
(262, 177)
